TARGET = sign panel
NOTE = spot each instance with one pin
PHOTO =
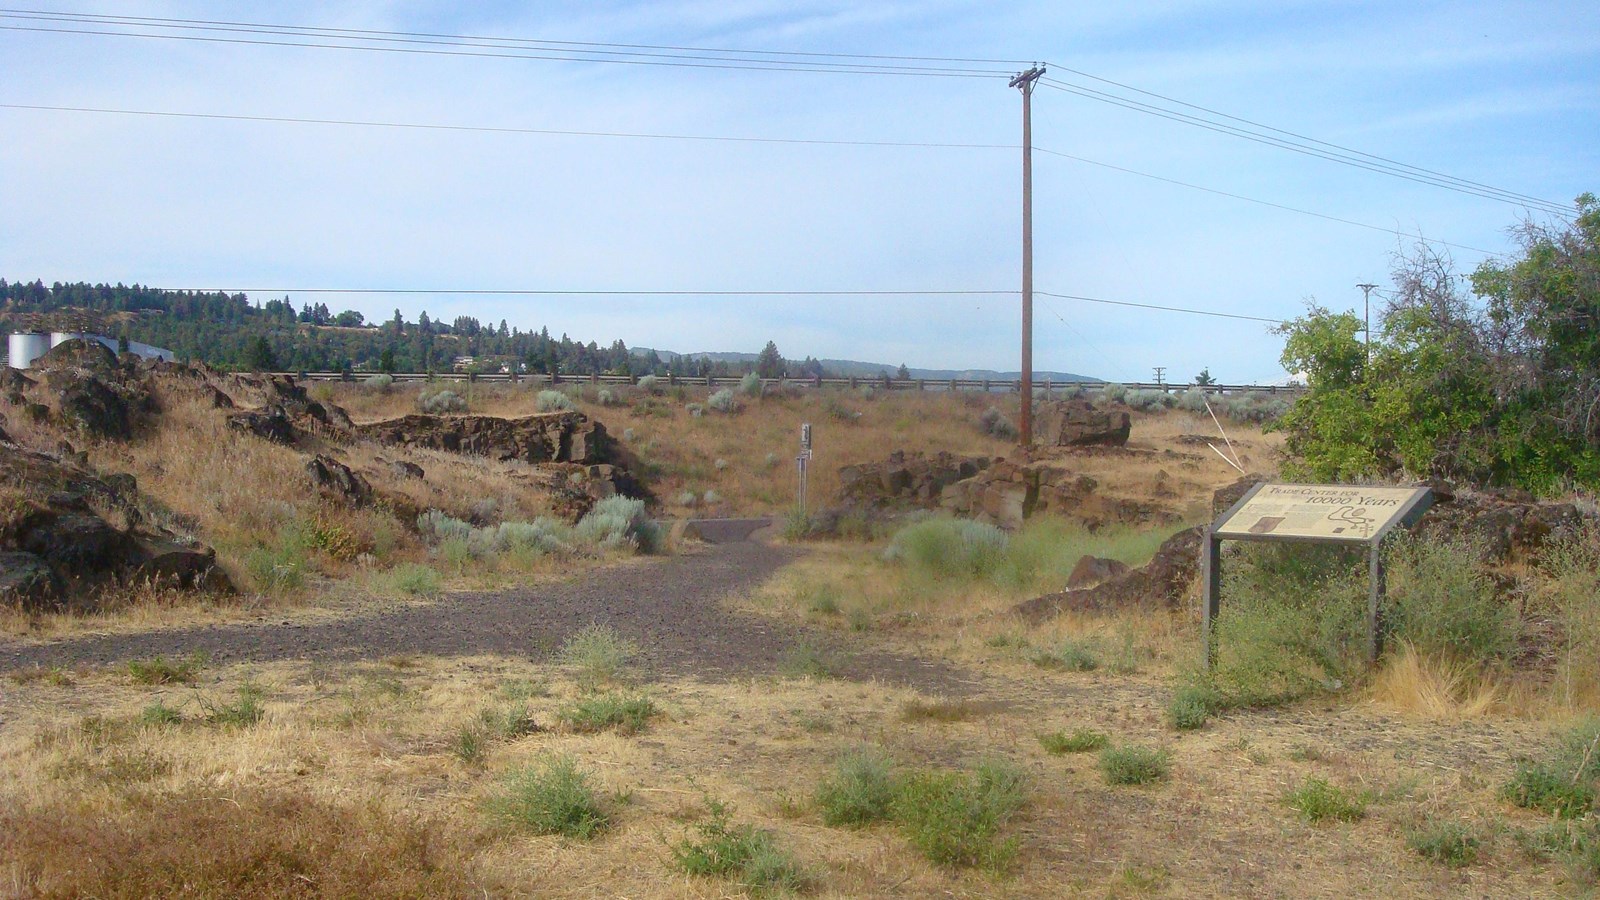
(1325, 512)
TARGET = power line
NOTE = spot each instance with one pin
(1458, 186)
(1179, 309)
(1221, 193)
(108, 19)
(490, 129)
(1292, 134)
(545, 292)
(691, 62)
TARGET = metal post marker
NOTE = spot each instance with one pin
(802, 463)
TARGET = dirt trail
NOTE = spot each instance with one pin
(672, 607)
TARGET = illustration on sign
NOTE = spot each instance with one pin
(1318, 511)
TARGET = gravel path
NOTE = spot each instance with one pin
(671, 606)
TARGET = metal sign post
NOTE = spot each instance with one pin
(802, 463)
(1311, 514)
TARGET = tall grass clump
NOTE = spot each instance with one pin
(861, 790)
(750, 385)
(618, 522)
(1445, 605)
(724, 401)
(955, 818)
(416, 580)
(553, 401)
(552, 797)
(598, 654)
(1318, 801)
(1450, 843)
(441, 402)
(1133, 764)
(948, 548)
(1568, 591)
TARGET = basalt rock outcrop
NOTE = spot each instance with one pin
(1077, 423)
(95, 395)
(1017, 488)
(905, 481)
(564, 437)
(65, 531)
(1162, 583)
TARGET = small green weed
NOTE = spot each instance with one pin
(1083, 740)
(1132, 764)
(552, 797)
(161, 671)
(625, 715)
(861, 790)
(1451, 843)
(1538, 786)
(159, 715)
(742, 852)
(1072, 655)
(940, 710)
(1190, 707)
(807, 660)
(1318, 801)
(246, 709)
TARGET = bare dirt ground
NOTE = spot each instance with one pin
(670, 606)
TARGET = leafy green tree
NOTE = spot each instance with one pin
(904, 374)
(386, 361)
(1204, 378)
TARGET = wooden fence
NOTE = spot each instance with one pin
(712, 382)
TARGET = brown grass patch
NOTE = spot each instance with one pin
(233, 843)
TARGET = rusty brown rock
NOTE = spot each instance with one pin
(1163, 583)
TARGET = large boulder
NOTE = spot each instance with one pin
(1077, 423)
(26, 580)
(1015, 489)
(338, 480)
(95, 395)
(905, 481)
(272, 424)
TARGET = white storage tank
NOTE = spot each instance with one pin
(24, 348)
(57, 338)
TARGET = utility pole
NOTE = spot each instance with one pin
(1024, 81)
(1161, 372)
(1366, 305)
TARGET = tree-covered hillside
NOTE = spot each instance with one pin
(231, 331)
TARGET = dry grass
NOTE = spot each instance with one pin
(1435, 688)
(351, 778)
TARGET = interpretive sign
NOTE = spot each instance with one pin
(1327, 512)
(1312, 513)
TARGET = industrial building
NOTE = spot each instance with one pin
(25, 347)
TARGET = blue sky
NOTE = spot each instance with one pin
(1504, 94)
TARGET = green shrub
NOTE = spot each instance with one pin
(1083, 740)
(380, 382)
(1190, 707)
(162, 671)
(650, 384)
(416, 580)
(553, 401)
(946, 548)
(1451, 843)
(553, 797)
(1444, 604)
(618, 522)
(599, 654)
(807, 660)
(955, 818)
(1318, 801)
(625, 715)
(281, 568)
(1539, 786)
(724, 401)
(861, 790)
(1072, 654)
(750, 385)
(736, 851)
(994, 423)
(1293, 623)
(440, 403)
(1112, 392)
(1576, 843)
(439, 526)
(1132, 764)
